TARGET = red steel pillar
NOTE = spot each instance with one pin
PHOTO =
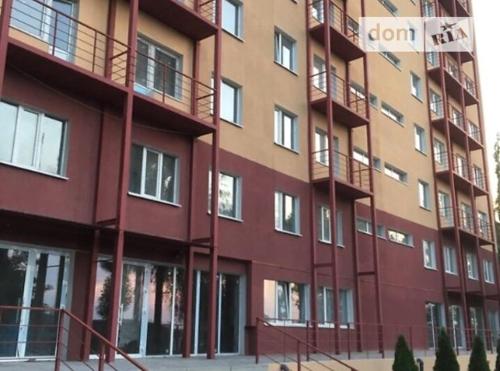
(4, 38)
(214, 207)
(126, 141)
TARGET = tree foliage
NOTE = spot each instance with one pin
(446, 359)
(403, 358)
(478, 360)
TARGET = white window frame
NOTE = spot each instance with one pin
(364, 226)
(420, 139)
(429, 250)
(237, 196)
(472, 266)
(489, 271)
(279, 133)
(289, 322)
(239, 18)
(237, 103)
(392, 113)
(402, 238)
(416, 86)
(450, 260)
(395, 173)
(324, 230)
(37, 147)
(161, 154)
(279, 210)
(424, 195)
(279, 35)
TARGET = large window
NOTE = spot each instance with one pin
(158, 69)
(472, 269)
(489, 272)
(325, 306)
(420, 139)
(153, 174)
(286, 131)
(285, 302)
(232, 16)
(450, 260)
(324, 227)
(286, 210)
(32, 140)
(285, 50)
(230, 102)
(429, 249)
(400, 237)
(424, 195)
(229, 195)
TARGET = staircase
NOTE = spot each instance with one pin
(58, 335)
(294, 353)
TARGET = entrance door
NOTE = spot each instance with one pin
(32, 278)
(132, 310)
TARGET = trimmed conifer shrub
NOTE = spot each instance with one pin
(497, 364)
(478, 361)
(446, 359)
(403, 358)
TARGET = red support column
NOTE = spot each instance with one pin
(126, 141)
(331, 174)
(4, 39)
(312, 190)
(214, 207)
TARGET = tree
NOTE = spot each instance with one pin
(478, 361)
(497, 365)
(403, 359)
(446, 359)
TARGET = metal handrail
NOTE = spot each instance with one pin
(298, 341)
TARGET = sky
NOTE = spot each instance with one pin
(488, 48)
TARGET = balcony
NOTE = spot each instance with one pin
(466, 226)
(350, 106)
(49, 44)
(194, 18)
(460, 170)
(460, 131)
(352, 177)
(344, 30)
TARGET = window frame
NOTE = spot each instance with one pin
(429, 249)
(395, 173)
(288, 322)
(279, 129)
(489, 271)
(420, 139)
(279, 219)
(424, 195)
(279, 35)
(409, 236)
(450, 260)
(36, 148)
(238, 4)
(472, 266)
(237, 102)
(159, 175)
(416, 90)
(392, 114)
(237, 195)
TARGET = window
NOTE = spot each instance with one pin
(381, 231)
(232, 16)
(432, 58)
(391, 57)
(321, 146)
(377, 164)
(436, 104)
(324, 229)
(450, 260)
(400, 237)
(287, 217)
(392, 113)
(482, 221)
(435, 320)
(389, 6)
(466, 217)
(340, 228)
(489, 275)
(230, 102)
(153, 174)
(429, 249)
(416, 86)
(229, 195)
(361, 156)
(346, 311)
(158, 69)
(325, 306)
(364, 226)
(395, 173)
(440, 153)
(420, 139)
(286, 129)
(32, 140)
(478, 176)
(428, 8)
(461, 166)
(374, 101)
(424, 197)
(285, 50)
(472, 272)
(285, 302)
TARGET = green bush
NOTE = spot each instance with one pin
(446, 359)
(403, 358)
(478, 361)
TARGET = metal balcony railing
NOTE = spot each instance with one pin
(474, 131)
(465, 222)
(341, 92)
(205, 8)
(345, 169)
(62, 36)
(460, 164)
(338, 19)
(167, 85)
(469, 85)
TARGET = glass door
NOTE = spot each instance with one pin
(132, 309)
(61, 35)
(32, 278)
